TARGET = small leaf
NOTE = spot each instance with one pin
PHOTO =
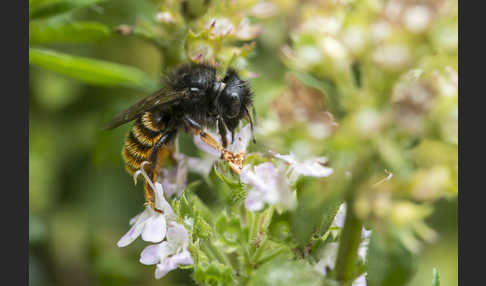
(213, 274)
(435, 277)
(314, 214)
(48, 8)
(61, 32)
(91, 71)
(229, 229)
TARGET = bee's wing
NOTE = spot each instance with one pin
(158, 98)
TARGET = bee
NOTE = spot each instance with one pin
(193, 98)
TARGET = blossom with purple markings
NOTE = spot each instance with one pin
(313, 167)
(268, 186)
(150, 224)
(168, 255)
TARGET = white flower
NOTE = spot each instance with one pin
(268, 186)
(313, 167)
(203, 165)
(151, 224)
(328, 258)
(169, 254)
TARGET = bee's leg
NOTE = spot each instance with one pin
(156, 157)
(222, 132)
(235, 161)
(205, 137)
(166, 137)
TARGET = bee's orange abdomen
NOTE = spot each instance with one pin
(139, 142)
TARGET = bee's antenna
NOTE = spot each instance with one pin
(251, 123)
(253, 111)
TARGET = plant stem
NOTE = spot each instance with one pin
(348, 246)
(253, 223)
(217, 254)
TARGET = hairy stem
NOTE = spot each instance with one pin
(216, 253)
(348, 246)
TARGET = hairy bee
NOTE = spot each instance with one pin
(193, 98)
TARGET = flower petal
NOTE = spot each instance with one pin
(313, 168)
(155, 228)
(287, 158)
(177, 236)
(171, 263)
(135, 230)
(183, 258)
(267, 172)
(242, 139)
(269, 186)
(286, 197)
(161, 203)
(260, 178)
(253, 201)
(134, 219)
(163, 268)
(150, 255)
(201, 166)
(328, 258)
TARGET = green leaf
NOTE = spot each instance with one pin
(91, 71)
(435, 277)
(229, 229)
(389, 261)
(48, 8)
(314, 214)
(213, 274)
(62, 32)
(285, 273)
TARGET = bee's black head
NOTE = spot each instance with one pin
(234, 100)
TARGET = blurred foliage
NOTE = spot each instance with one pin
(370, 84)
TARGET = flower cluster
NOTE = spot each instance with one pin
(155, 225)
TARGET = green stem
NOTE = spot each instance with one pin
(215, 252)
(253, 230)
(272, 254)
(348, 246)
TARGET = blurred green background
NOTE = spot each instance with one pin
(81, 198)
